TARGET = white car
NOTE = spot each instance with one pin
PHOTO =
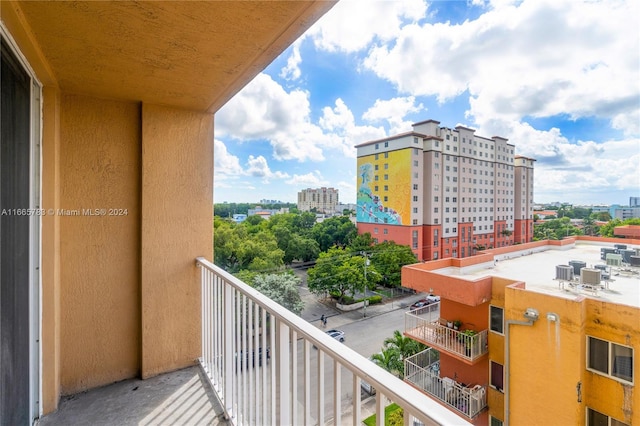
(336, 334)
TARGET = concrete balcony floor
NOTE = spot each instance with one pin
(182, 397)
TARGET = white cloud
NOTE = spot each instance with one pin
(352, 25)
(571, 168)
(312, 179)
(225, 164)
(258, 167)
(537, 58)
(292, 70)
(393, 111)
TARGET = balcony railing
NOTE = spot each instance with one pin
(422, 324)
(422, 370)
(266, 365)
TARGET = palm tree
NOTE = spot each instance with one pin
(389, 359)
(404, 346)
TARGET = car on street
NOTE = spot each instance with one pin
(424, 302)
(336, 334)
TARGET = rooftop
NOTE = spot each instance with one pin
(537, 269)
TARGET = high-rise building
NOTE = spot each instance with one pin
(444, 192)
(323, 200)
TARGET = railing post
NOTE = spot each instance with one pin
(228, 350)
(284, 374)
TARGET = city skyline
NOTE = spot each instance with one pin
(552, 77)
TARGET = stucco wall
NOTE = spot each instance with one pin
(100, 257)
(177, 212)
(546, 360)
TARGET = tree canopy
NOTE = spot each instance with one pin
(281, 288)
(341, 271)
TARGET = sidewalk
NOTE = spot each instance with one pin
(316, 307)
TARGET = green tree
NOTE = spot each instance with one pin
(404, 346)
(342, 272)
(281, 288)
(388, 258)
(389, 359)
(335, 231)
(607, 229)
(361, 242)
(240, 247)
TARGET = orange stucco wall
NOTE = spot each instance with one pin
(100, 255)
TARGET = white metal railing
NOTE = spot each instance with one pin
(422, 325)
(422, 370)
(266, 365)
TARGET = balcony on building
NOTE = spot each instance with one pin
(425, 325)
(422, 371)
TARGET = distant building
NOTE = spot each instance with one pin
(444, 192)
(266, 213)
(634, 201)
(265, 201)
(323, 200)
(624, 213)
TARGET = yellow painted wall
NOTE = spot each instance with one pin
(177, 207)
(619, 324)
(546, 361)
(100, 255)
(398, 183)
(50, 239)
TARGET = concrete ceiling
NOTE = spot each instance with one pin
(187, 54)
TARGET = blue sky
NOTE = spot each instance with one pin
(559, 78)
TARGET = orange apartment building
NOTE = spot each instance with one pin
(444, 192)
(540, 351)
(106, 177)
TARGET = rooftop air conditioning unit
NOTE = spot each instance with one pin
(614, 259)
(590, 276)
(577, 265)
(564, 272)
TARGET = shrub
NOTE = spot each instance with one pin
(373, 300)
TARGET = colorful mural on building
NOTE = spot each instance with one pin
(371, 202)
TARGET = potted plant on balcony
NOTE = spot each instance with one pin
(457, 324)
(468, 337)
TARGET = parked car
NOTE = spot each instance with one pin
(424, 302)
(367, 387)
(336, 334)
(419, 304)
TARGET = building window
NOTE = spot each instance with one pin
(610, 359)
(415, 186)
(386, 177)
(415, 221)
(595, 418)
(386, 187)
(414, 238)
(386, 166)
(375, 177)
(375, 167)
(385, 231)
(375, 188)
(377, 148)
(415, 163)
(386, 144)
(415, 210)
(415, 198)
(386, 198)
(375, 230)
(497, 376)
(496, 319)
(386, 155)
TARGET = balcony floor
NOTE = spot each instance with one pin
(182, 397)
